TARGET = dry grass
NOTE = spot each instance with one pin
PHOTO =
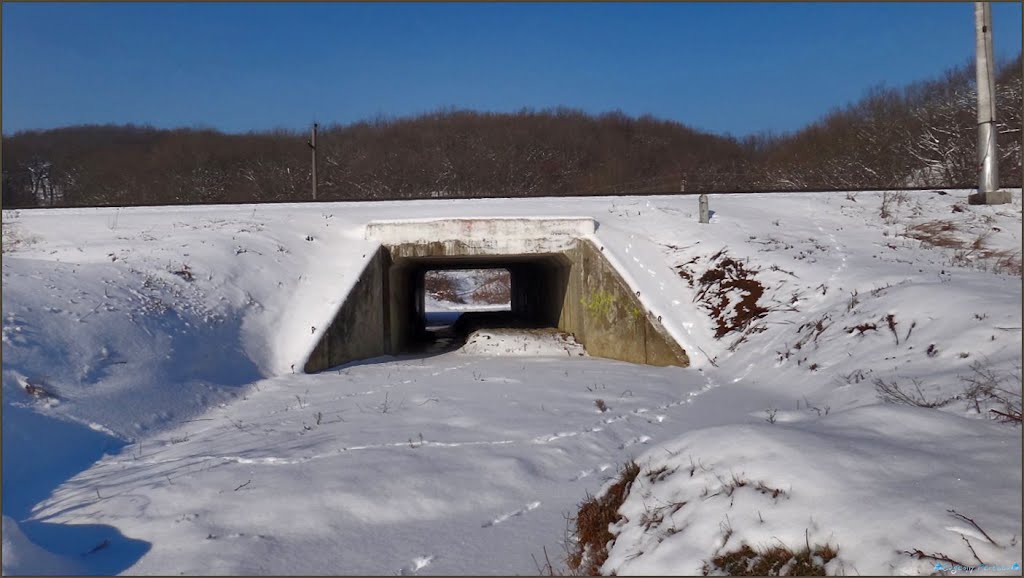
(974, 253)
(937, 233)
(590, 526)
(772, 561)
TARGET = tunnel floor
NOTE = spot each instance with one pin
(439, 335)
(445, 331)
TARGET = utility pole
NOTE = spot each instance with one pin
(312, 145)
(988, 155)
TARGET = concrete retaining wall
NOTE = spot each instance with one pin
(607, 317)
(358, 331)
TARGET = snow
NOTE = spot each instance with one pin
(872, 481)
(498, 342)
(22, 557)
(154, 421)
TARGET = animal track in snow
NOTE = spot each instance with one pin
(635, 441)
(504, 517)
(417, 565)
(591, 471)
(557, 436)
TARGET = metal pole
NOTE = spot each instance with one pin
(988, 156)
(312, 146)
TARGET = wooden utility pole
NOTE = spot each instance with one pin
(988, 155)
(312, 145)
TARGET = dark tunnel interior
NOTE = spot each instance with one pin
(538, 285)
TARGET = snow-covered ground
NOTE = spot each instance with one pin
(153, 422)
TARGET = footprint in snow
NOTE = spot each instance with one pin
(417, 565)
(504, 517)
(585, 473)
(582, 474)
(635, 441)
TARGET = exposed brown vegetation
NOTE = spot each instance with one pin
(590, 526)
(974, 253)
(442, 287)
(729, 291)
(772, 561)
(496, 288)
(862, 328)
(938, 233)
(493, 287)
(38, 391)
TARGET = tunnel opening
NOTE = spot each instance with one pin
(450, 294)
(438, 301)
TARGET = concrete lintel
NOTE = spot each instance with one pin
(487, 234)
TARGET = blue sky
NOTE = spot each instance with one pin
(732, 68)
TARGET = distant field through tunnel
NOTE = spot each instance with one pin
(556, 278)
(454, 297)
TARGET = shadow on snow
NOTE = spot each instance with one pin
(39, 454)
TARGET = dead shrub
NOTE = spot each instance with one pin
(590, 526)
(985, 386)
(890, 201)
(495, 289)
(442, 287)
(893, 392)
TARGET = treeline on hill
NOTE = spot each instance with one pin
(923, 135)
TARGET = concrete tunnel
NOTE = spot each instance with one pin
(559, 280)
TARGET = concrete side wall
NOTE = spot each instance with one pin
(358, 331)
(604, 314)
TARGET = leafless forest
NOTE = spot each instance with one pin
(922, 135)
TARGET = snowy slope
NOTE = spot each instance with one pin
(152, 422)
